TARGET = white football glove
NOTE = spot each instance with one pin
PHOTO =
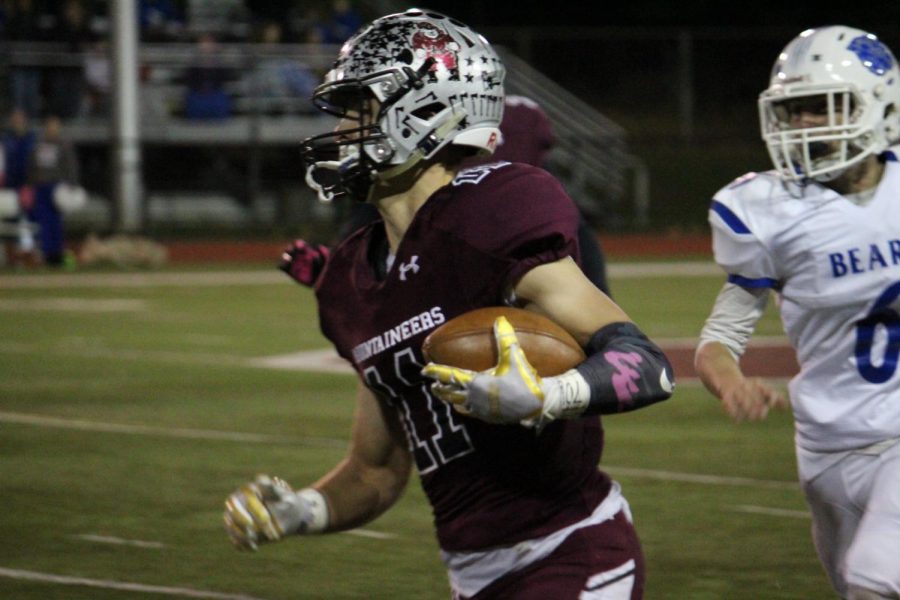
(511, 392)
(266, 510)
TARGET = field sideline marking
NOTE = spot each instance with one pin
(143, 280)
(322, 360)
(702, 479)
(368, 533)
(119, 585)
(64, 304)
(189, 433)
(772, 512)
(261, 438)
(615, 270)
(117, 541)
(325, 360)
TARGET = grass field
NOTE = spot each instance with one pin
(131, 406)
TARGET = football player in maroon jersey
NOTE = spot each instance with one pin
(526, 136)
(508, 460)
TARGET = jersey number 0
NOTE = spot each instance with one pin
(884, 313)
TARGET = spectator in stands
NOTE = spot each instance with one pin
(18, 145)
(66, 81)
(73, 26)
(205, 95)
(97, 80)
(278, 83)
(159, 20)
(337, 26)
(16, 232)
(230, 19)
(11, 225)
(52, 171)
(345, 18)
(270, 11)
(21, 24)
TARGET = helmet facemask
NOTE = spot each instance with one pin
(344, 162)
(820, 152)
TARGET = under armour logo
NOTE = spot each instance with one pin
(412, 265)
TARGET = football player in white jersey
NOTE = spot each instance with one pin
(822, 230)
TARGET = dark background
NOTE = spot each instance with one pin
(639, 63)
(625, 61)
(878, 15)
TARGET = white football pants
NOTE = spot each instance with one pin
(855, 506)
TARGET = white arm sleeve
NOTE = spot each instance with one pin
(734, 317)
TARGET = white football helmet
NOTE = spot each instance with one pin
(436, 82)
(855, 81)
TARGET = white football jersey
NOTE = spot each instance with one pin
(836, 267)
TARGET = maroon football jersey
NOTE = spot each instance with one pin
(466, 247)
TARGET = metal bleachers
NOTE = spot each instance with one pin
(591, 157)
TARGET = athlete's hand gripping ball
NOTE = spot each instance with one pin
(510, 392)
(264, 510)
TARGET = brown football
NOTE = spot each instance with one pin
(467, 341)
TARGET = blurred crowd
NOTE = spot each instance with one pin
(57, 69)
(58, 53)
(38, 185)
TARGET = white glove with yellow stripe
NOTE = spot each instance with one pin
(267, 509)
(511, 392)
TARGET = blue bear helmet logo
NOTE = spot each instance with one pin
(874, 55)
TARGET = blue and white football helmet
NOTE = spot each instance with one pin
(855, 79)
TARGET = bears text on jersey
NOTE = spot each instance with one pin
(855, 261)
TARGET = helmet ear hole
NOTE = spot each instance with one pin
(428, 111)
(891, 124)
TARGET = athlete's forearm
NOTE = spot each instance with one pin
(372, 476)
(357, 494)
(717, 368)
